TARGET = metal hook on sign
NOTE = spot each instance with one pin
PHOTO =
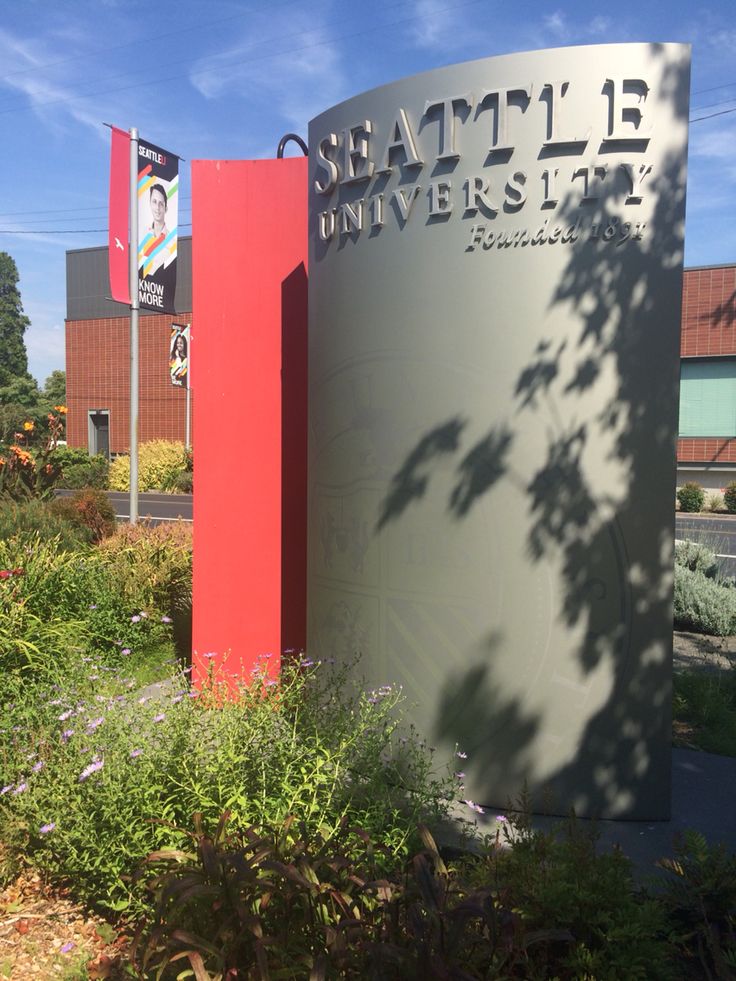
(297, 139)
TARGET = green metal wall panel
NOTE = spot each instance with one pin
(708, 398)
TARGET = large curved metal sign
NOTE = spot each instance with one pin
(495, 274)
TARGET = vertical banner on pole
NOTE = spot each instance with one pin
(179, 355)
(158, 212)
(118, 236)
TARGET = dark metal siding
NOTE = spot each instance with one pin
(88, 284)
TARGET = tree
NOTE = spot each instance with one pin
(13, 324)
(54, 388)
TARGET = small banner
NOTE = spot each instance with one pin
(179, 355)
(118, 222)
(158, 211)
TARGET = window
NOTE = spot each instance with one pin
(708, 398)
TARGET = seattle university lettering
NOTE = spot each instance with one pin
(356, 157)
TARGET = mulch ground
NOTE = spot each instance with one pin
(44, 935)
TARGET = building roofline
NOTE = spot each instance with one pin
(99, 248)
(711, 265)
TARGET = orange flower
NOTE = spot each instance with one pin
(61, 409)
(29, 426)
(23, 455)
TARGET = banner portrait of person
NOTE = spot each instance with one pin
(179, 355)
(158, 214)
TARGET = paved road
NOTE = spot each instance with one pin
(159, 507)
(716, 532)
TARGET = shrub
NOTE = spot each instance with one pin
(32, 518)
(729, 496)
(704, 705)
(28, 466)
(286, 902)
(304, 745)
(700, 899)
(714, 502)
(702, 604)
(696, 557)
(183, 483)
(154, 561)
(92, 472)
(62, 603)
(159, 463)
(89, 508)
(68, 456)
(691, 496)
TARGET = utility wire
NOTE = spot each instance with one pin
(232, 64)
(724, 112)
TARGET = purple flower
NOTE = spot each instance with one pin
(93, 767)
(125, 651)
(4, 790)
(176, 698)
(66, 948)
(20, 788)
(474, 807)
(461, 756)
(67, 735)
(56, 701)
(142, 700)
(135, 753)
(160, 717)
(501, 817)
(46, 828)
(65, 715)
(210, 655)
(165, 619)
(37, 767)
(143, 613)
(460, 775)
(95, 724)
(93, 606)
(135, 619)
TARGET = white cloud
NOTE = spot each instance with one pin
(45, 340)
(299, 80)
(712, 163)
(48, 99)
(435, 24)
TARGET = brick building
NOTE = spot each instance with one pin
(98, 358)
(97, 366)
(706, 448)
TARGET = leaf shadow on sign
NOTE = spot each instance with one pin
(597, 537)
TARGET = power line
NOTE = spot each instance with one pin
(724, 112)
(231, 64)
(714, 88)
(71, 211)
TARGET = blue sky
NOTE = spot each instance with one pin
(228, 79)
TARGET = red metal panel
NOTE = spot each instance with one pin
(249, 248)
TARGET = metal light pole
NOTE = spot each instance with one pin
(134, 308)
